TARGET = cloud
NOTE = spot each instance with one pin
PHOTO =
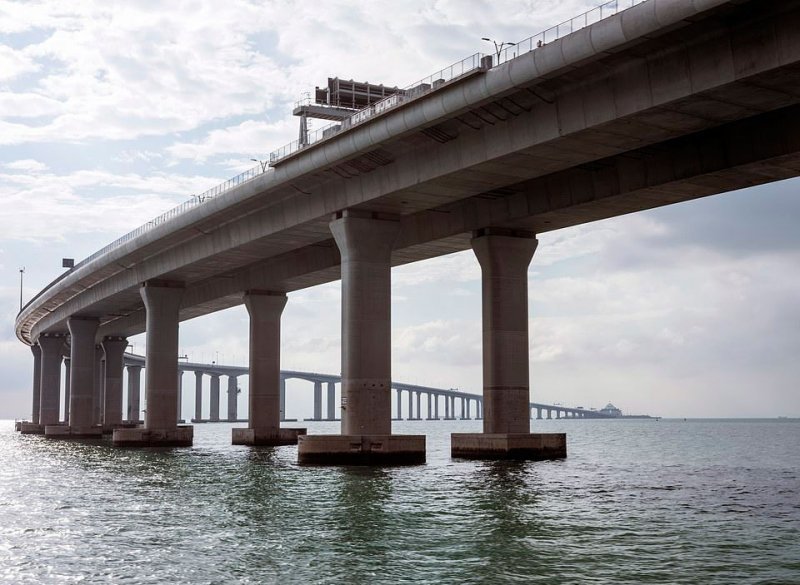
(250, 139)
(27, 164)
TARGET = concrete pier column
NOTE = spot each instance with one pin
(267, 387)
(430, 406)
(233, 398)
(504, 258)
(114, 350)
(446, 407)
(52, 346)
(36, 389)
(162, 303)
(469, 409)
(330, 401)
(198, 396)
(419, 405)
(479, 409)
(365, 243)
(98, 396)
(213, 414)
(399, 405)
(82, 373)
(436, 407)
(179, 401)
(283, 399)
(317, 400)
(134, 393)
(539, 413)
(67, 364)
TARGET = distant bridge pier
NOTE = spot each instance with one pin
(233, 398)
(267, 386)
(113, 350)
(365, 244)
(504, 258)
(198, 396)
(330, 401)
(99, 383)
(66, 390)
(134, 393)
(213, 399)
(162, 301)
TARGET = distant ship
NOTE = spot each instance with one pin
(613, 411)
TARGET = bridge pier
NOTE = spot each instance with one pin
(330, 401)
(198, 397)
(267, 387)
(113, 350)
(233, 398)
(82, 382)
(366, 246)
(504, 260)
(213, 413)
(48, 378)
(66, 390)
(162, 302)
(134, 394)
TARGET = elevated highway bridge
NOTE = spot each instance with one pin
(659, 103)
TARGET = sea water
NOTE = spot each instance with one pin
(636, 501)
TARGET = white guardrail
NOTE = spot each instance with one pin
(414, 91)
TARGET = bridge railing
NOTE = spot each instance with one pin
(411, 92)
(567, 27)
(404, 95)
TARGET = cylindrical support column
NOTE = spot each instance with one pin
(366, 247)
(410, 405)
(161, 360)
(233, 398)
(504, 264)
(436, 407)
(114, 350)
(446, 407)
(317, 400)
(198, 396)
(179, 401)
(82, 372)
(430, 406)
(419, 405)
(67, 365)
(37, 382)
(283, 399)
(134, 393)
(469, 408)
(214, 399)
(330, 401)
(50, 380)
(98, 396)
(398, 405)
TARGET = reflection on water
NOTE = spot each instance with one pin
(636, 502)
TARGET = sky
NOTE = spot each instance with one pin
(113, 112)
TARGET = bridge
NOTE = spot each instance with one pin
(635, 105)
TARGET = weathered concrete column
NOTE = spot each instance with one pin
(365, 244)
(330, 401)
(233, 398)
(398, 403)
(198, 397)
(99, 385)
(52, 346)
(37, 382)
(114, 350)
(213, 401)
(436, 407)
(134, 393)
(504, 258)
(317, 400)
(67, 363)
(180, 396)
(267, 387)
(430, 406)
(419, 406)
(410, 405)
(162, 302)
(82, 372)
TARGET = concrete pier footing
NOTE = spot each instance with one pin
(73, 432)
(179, 436)
(361, 449)
(255, 438)
(30, 428)
(529, 446)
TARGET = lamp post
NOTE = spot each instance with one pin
(21, 272)
(263, 164)
(498, 47)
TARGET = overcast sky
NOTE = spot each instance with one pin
(113, 112)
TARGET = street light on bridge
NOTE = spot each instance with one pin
(498, 46)
(263, 164)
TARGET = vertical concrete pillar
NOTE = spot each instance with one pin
(436, 406)
(446, 407)
(504, 257)
(198, 396)
(317, 400)
(330, 401)
(82, 371)
(50, 380)
(67, 364)
(233, 398)
(419, 405)
(114, 350)
(162, 303)
(283, 398)
(538, 413)
(430, 406)
(399, 405)
(214, 399)
(410, 405)
(267, 400)
(366, 248)
(134, 393)
(99, 385)
(179, 401)
(37, 382)
(469, 408)
(365, 244)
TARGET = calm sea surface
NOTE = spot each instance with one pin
(635, 502)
